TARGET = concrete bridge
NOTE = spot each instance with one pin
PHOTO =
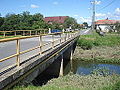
(23, 59)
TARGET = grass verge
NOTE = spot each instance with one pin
(77, 82)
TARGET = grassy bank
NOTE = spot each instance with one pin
(95, 48)
(102, 54)
(89, 41)
(77, 82)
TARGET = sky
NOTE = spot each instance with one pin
(81, 10)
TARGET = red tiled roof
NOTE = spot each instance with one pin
(58, 19)
(106, 21)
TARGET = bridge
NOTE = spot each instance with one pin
(22, 59)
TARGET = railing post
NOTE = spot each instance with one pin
(40, 43)
(23, 33)
(30, 32)
(18, 52)
(36, 32)
(4, 34)
(65, 36)
(44, 31)
(15, 33)
(52, 41)
(60, 39)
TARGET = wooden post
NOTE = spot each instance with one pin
(40, 43)
(18, 52)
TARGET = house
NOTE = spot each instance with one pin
(57, 19)
(106, 25)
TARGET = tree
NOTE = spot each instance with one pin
(1, 21)
(70, 22)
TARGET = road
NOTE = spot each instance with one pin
(85, 31)
(9, 48)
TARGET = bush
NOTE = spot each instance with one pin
(85, 44)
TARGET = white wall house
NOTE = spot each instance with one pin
(105, 25)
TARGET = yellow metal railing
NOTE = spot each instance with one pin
(23, 32)
(67, 36)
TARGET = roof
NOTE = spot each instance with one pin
(106, 21)
(58, 19)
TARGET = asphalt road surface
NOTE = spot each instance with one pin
(9, 48)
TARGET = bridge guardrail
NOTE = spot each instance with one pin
(24, 32)
(66, 37)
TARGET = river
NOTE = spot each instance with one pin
(86, 68)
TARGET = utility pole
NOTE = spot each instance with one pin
(93, 16)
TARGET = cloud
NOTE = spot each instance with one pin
(96, 2)
(83, 19)
(76, 15)
(100, 15)
(117, 10)
(34, 6)
(55, 3)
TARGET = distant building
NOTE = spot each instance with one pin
(105, 25)
(57, 19)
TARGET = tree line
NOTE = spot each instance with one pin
(26, 21)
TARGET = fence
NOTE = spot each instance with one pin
(56, 39)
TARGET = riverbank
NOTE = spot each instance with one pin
(77, 82)
(101, 54)
(95, 48)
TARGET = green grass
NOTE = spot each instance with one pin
(77, 82)
(89, 41)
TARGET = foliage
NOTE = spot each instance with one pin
(76, 82)
(117, 25)
(23, 21)
(70, 22)
(88, 41)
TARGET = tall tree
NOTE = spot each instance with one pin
(70, 22)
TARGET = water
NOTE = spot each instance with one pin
(85, 68)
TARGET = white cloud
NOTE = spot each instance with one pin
(76, 15)
(117, 10)
(34, 6)
(96, 2)
(82, 19)
(100, 15)
(55, 3)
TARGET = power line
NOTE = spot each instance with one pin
(106, 5)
